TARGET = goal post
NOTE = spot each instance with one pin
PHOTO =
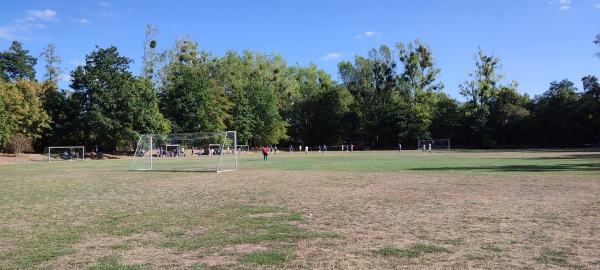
(202, 151)
(243, 148)
(64, 153)
(439, 144)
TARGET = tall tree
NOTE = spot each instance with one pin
(509, 116)
(24, 109)
(151, 56)
(590, 109)
(253, 83)
(556, 115)
(310, 123)
(52, 60)
(445, 121)
(480, 91)
(418, 81)
(420, 71)
(189, 96)
(16, 63)
(57, 107)
(373, 84)
(105, 101)
(186, 102)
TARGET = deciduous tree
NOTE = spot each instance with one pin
(24, 109)
(107, 102)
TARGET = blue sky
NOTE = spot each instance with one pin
(538, 41)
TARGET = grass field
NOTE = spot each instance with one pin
(362, 210)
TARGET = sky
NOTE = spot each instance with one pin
(537, 41)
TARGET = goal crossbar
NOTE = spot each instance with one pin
(440, 144)
(202, 151)
(64, 153)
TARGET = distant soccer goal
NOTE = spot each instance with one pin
(189, 152)
(440, 144)
(243, 148)
(64, 153)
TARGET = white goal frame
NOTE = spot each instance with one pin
(244, 147)
(439, 144)
(173, 152)
(64, 153)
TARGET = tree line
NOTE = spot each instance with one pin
(392, 95)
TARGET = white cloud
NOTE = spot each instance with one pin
(332, 56)
(368, 34)
(7, 33)
(46, 15)
(597, 6)
(564, 8)
(84, 21)
(562, 2)
(22, 28)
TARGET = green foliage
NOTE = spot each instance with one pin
(108, 105)
(480, 92)
(4, 125)
(187, 103)
(16, 64)
(24, 110)
(446, 116)
(372, 82)
(556, 114)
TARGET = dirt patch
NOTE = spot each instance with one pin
(21, 158)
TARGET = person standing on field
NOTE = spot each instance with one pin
(306, 149)
(429, 147)
(265, 151)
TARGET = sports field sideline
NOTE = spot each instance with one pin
(458, 209)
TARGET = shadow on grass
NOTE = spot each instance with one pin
(587, 167)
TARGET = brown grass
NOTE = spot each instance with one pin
(487, 222)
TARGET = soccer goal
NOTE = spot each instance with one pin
(189, 152)
(243, 148)
(64, 153)
(440, 144)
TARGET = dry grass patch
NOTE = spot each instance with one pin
(340, 214)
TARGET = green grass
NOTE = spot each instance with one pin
(553, 257)
(452, 162)
(411, 252)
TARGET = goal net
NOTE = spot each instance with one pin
(243, 148)
(64, 153)
(440, 144)
(191, 152)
